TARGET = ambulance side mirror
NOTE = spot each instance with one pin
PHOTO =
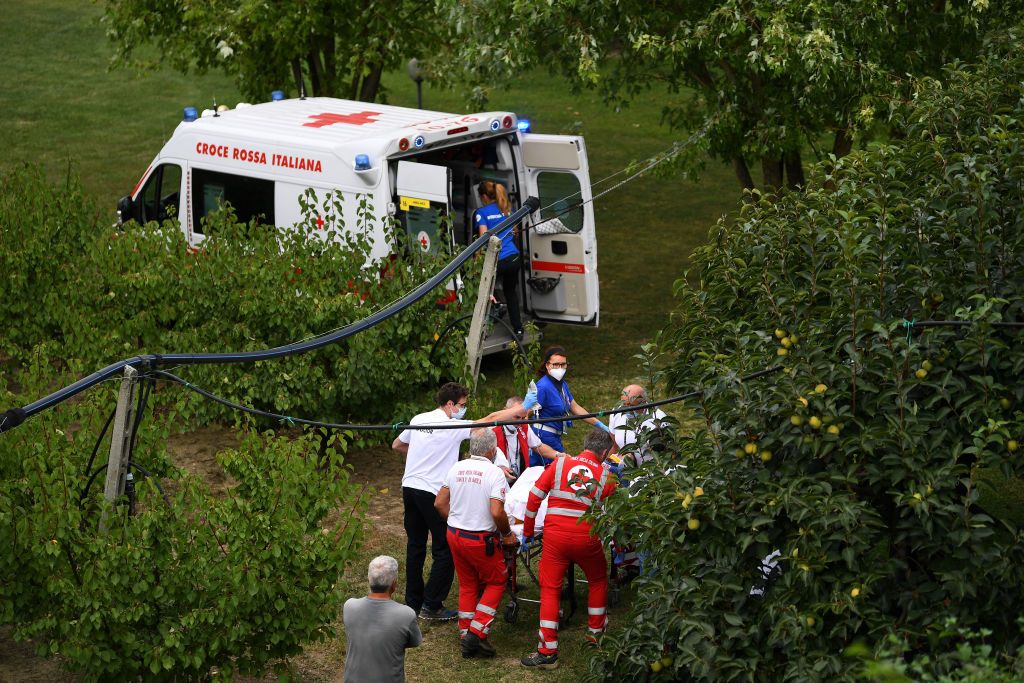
(125, 209)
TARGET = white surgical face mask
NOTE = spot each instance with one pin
(459, 413)
(557, 373)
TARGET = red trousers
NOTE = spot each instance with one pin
(559, 550)
(482, 581)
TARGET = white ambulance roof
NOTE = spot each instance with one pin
(329, 124)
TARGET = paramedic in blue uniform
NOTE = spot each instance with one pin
(555, 399)
(496, 208)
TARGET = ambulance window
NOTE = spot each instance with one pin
(560, 192)
(160, 195)
(251, 198)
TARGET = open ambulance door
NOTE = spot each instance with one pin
(562, 283)
(424, 196)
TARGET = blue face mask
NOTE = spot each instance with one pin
(459, 413)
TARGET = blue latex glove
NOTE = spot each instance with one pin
(530, 400)
(603, 426)
(527, 540)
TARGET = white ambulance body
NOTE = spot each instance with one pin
(409, 163)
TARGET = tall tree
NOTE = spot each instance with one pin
(327, 47)
(772, 76)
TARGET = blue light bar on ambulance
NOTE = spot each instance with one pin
(419, 141)
(190, 114)
(523, 125)
(362, 162)
(277, 95)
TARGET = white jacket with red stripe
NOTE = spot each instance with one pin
(571, 486)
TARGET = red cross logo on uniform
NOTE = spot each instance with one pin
(320, 221)
(360, 118)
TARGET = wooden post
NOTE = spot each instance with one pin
(120, 440)
(478, 328)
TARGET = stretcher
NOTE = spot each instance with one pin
(525, 555)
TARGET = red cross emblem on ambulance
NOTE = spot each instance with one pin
(360, 118)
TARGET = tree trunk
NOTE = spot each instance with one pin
(772, 171)
(371, 83)
(300, 83)
(315, 72)
(843, 143)
(330, 69)
(739, 165)
(794, 170)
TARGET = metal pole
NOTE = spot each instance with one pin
(120, 440)
(478, 328)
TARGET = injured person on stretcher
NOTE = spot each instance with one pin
(515, 501)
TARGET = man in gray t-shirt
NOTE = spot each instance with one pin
(378, 629)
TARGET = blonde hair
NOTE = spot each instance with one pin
(496, 191)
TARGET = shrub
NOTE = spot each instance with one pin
(859, 461)
(193, 584)
(108, 294)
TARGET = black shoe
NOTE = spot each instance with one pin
(438, 614)
(486, 649)
(540, 661)
(470, 645)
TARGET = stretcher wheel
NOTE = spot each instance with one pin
(512, 612)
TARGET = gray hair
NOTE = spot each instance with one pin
(597, 441)
(383, 573)
(482, 442)
(513, 400)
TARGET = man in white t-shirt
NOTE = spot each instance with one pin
(472, 500)
(624, 425)
(430, 453)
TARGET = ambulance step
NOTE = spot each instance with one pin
(501, 340)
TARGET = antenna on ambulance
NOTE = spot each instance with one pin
(215, 112)
(302, 89)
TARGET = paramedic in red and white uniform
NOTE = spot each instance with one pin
(515, 442)
(472, 499)
(571, 486)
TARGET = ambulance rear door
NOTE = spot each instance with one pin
(424, 196)
(562, 284)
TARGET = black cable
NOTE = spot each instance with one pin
(147, 473)
(402, 426)
(96, 448)
(15, 416)
(88, 485)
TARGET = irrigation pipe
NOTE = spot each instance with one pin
(15, 416)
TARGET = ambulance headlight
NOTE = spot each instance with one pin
(190, 114)
(362, 162)
(495, 125)
(277, 95)
(523, 125)
(419, 141)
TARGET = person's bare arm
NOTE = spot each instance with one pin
(442, 502)
(576, 409)
(400, 446)
(501, 521)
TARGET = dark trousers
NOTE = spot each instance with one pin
(421, 519)
(508, 271)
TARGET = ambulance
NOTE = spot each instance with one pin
(412, 165)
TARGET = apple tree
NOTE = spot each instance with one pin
(852, 495)
(771, 76)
